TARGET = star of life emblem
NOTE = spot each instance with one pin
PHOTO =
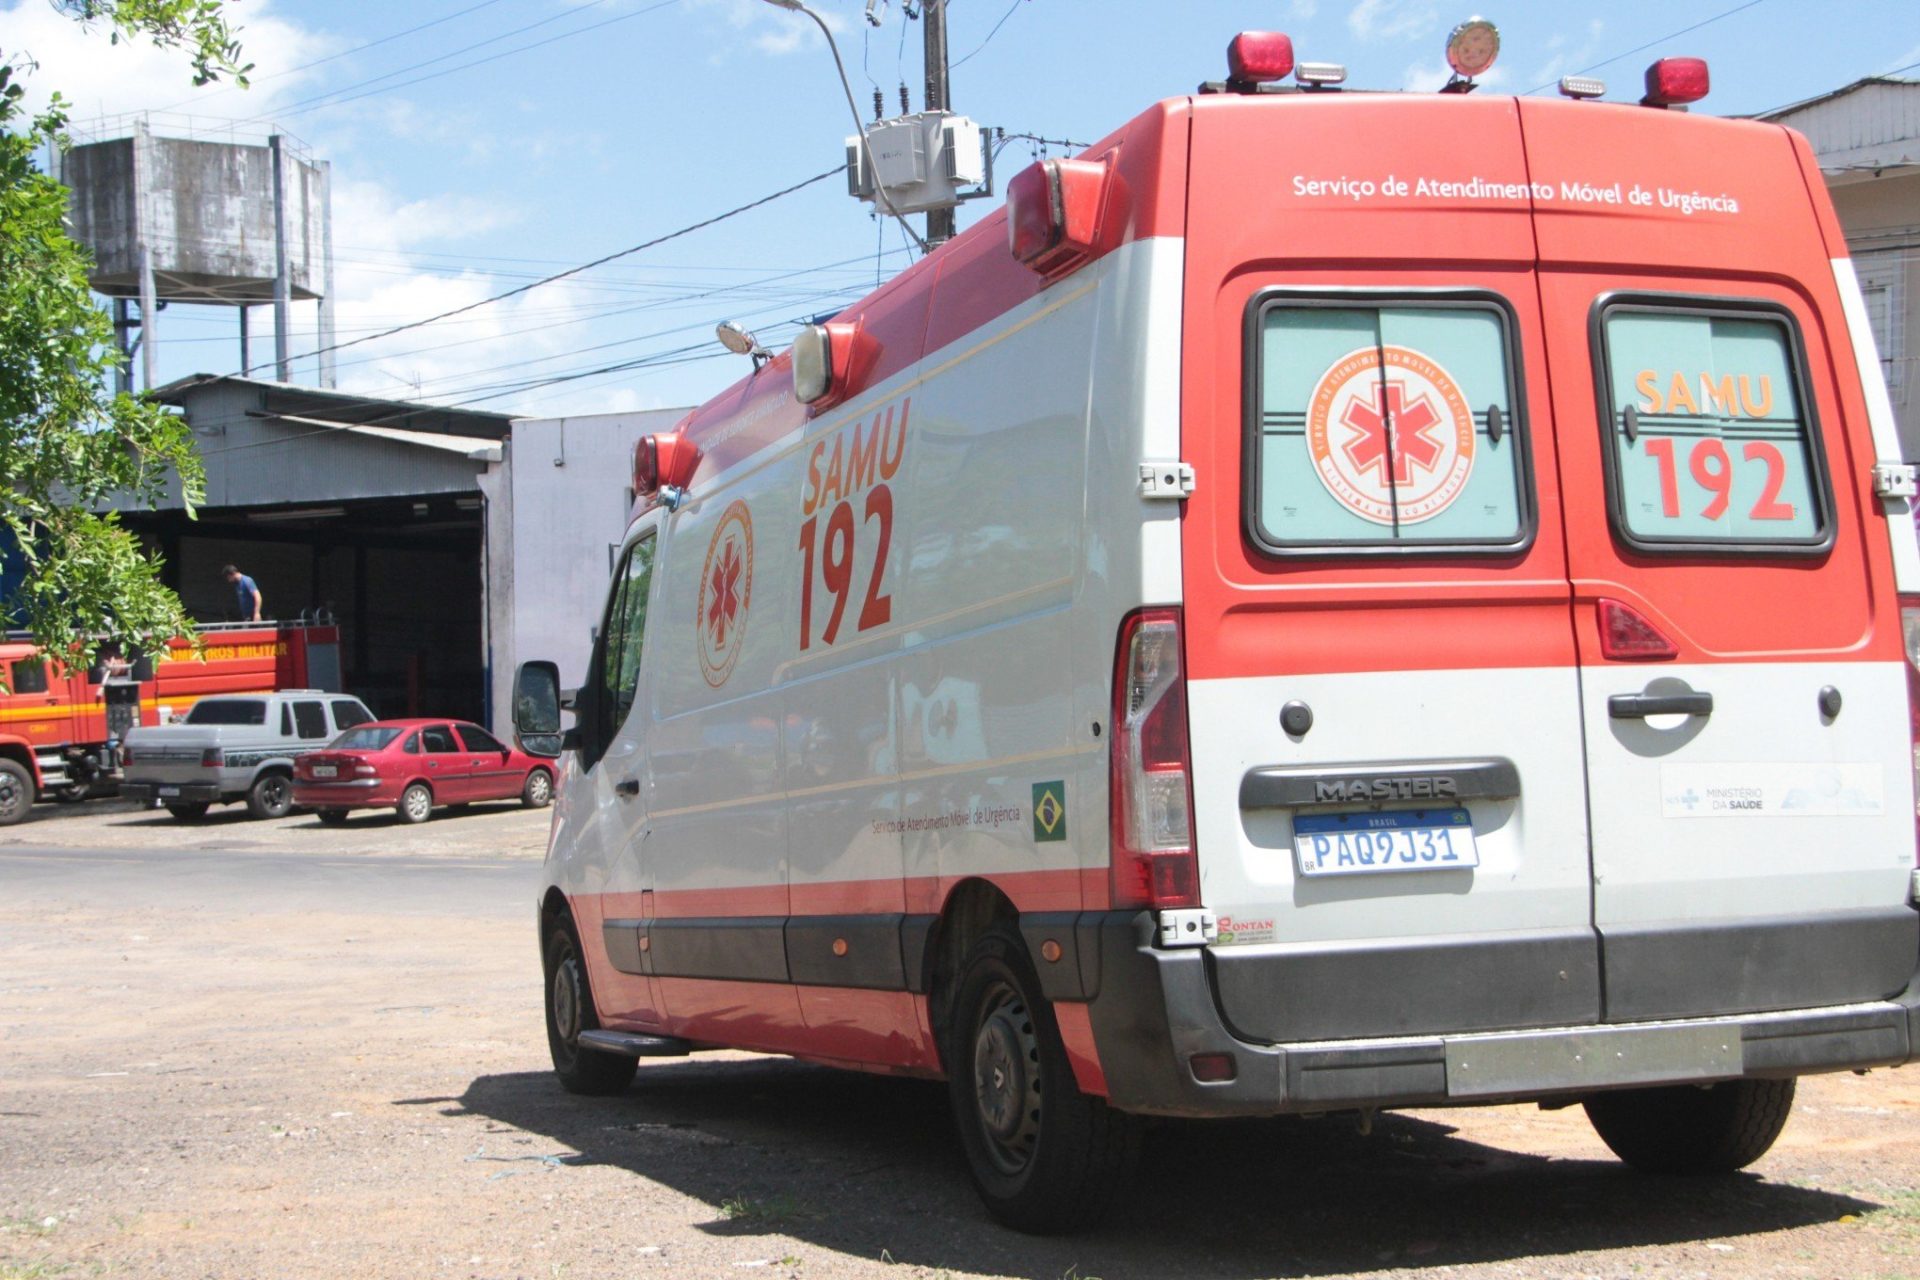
(1392, 445)
(726, 589)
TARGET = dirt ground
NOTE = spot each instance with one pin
(275, 1050)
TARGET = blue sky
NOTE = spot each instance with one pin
(610, 122)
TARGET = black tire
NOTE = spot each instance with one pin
(270, 796)
(538, 793)
(16, 792)
(73, 793)
(189, 810)
(1693, 1130)
(569, 1012)
(416, 803)
(1045, 1157)
(331, 817)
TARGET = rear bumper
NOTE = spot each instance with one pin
(174, 792)
(350, 793)
(1154, 1010)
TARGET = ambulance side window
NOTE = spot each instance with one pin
(1711, 442)
(622, 641)
(1384, 425)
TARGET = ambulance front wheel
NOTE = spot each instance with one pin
(1690, 1129)
(569, 1012)
(1045, 1157)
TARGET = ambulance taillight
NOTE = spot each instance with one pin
(1674, 82)
(1910, 633)
(1154, 864)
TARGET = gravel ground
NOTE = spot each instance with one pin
(270, 1050)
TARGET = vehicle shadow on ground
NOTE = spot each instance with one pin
(237, 816)
(869, 1167)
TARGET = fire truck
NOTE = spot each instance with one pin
(61, 725)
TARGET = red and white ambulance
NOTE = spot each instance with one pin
(1327, 601)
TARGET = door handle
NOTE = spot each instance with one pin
(627, 788)
(1638, 706)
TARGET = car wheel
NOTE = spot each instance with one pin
(16, 792)
(331, 817)
(569, 1012)
(72, 794)
(538, 793)
(190, 811)
(271, 796)
(416, 803)
(1693, 1130)
(1045, 1157)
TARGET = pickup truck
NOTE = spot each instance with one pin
(234, 747)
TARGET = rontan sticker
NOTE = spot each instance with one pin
(1396, 446)
(1245, 929)
(726, 589)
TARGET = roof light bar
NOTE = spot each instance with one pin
(1259, 57)
(1320, 73)
(1673, 82)
(1582, 87)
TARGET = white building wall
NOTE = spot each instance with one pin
(557, 506)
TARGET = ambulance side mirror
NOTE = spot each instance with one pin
(536, 708)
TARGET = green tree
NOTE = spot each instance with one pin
(67, 444)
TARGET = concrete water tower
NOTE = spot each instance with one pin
(204, 220)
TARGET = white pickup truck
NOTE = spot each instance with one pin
(234, 747)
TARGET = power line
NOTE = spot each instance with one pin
(333, 98)
(585, 266)
(359, 48)
(990, 35)
(1642, 48)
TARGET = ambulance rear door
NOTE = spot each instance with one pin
(1388, 792)
(1743, 690)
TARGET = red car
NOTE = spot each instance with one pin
(411, 766)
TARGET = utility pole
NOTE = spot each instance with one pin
(933, 21)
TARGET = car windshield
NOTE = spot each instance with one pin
(365, 738)
(229, 711)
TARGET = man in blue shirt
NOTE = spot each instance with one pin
(246, 593)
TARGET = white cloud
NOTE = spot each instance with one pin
(1392, 19)
(771, 30)
(98, 78)
(1568, 52)
(1303, 10)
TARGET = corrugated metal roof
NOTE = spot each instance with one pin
(1870, 124)
(340, 407)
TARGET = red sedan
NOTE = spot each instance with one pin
(411, 766)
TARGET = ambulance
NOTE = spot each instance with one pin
(1327, 601)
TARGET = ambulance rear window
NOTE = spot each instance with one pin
(1384, 425)
(1711, 444)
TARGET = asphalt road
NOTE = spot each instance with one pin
(281, 1059)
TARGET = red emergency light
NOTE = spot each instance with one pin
(666, 460)
(1053, 214)
(1260, 57)
(1673, 82)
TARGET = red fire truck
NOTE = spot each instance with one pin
(60, 726)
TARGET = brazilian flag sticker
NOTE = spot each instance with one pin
(1049, 811)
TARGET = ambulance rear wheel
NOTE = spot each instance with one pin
(191, 811)
(1045, 1157)
(1693, 1130)
(16, 792)
(569, 1012)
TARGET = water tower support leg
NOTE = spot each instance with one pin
(149, 314)
(282, 280)
(123, 344)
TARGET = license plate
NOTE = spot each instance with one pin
(326, 771)
(1346, 844)
(169, 791)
